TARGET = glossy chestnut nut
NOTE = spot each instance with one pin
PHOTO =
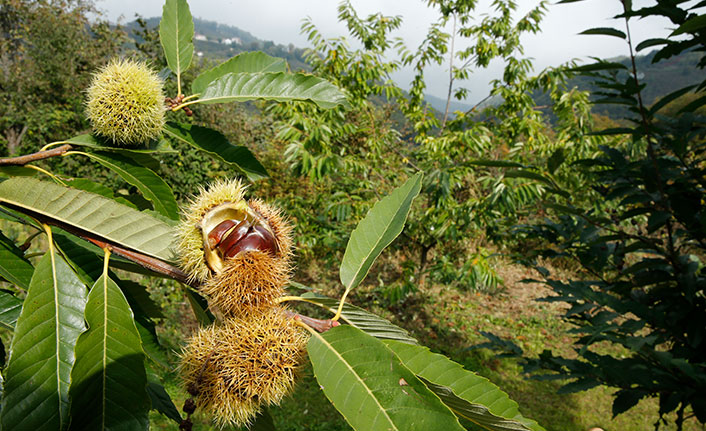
(231, 237)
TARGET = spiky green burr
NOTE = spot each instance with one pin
(126, 103)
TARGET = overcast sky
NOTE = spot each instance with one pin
(280, 21)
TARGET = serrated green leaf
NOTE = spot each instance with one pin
(139, 299)
(17, 217)
(692, 25)
(215, 143)
(598, 66)
(86, 261)
(476, 413)
(693, 106)
(92, 213)
(615, 101)
(99, 189)
(200, 307)
(108, 379)
(371, 388)
(657, 219)
(663, 101)
(578, 386)
(613, 131)
(176, 34)
(555, 160)
(150, 342)
(605, 31)
(142, 159)
(625, 399)
(13, 265)
(84, 258)
(90, 141)
(564, 209)
(42, 353)
(10, 307)
(376, 231)
(151, 185)
(86, 264)
(17, 171)
(531, 175)
(366, 321)
(471, 396)
(650, 43)
(280, 87)
(246, 62)
(161, 401)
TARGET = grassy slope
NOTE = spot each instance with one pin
(449, 322)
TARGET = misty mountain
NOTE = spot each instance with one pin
(440, 104)
(661, 78)
(221, 41)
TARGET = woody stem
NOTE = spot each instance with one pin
(39, 155)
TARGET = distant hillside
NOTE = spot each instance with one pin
(440, 104)
(220, 41)
(667, 75)
(661, 78)
(217, 41)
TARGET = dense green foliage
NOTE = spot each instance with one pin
(47, 54)
(637, 250)
(607, 210)
(390, 132)
(84, 341)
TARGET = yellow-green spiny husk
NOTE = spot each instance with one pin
(250, 280)
(191, 246)
(237, 367)
(126, 103)
(253, 280)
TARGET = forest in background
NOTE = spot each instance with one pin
(452, 274)
(661, 78)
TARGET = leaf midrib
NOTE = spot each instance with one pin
(372, 251)
(146, 190)
(105, 344)
(100, 201)
(230, 75)
(345, 362)
(56, 322)
(178, 47)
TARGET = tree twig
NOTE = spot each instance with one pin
(451, 77)
(40, 155)
(317, 324)
(479, 103)
(650, 146)
(148, 262)
(155, 265)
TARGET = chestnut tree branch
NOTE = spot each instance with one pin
(153, 264)
(317, 324)
(40, 155)
(147, 262)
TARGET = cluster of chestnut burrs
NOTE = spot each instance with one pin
(240, 251)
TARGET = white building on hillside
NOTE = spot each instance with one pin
(230, 41)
